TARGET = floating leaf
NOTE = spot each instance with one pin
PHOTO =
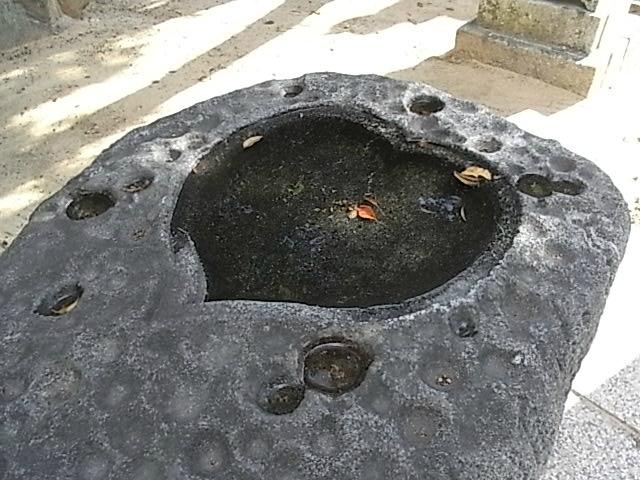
(473, 175)
(477, 172)
(467, 181)
(366, 212)
(251, 141)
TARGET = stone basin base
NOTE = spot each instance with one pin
(302, 280)
(269, 222)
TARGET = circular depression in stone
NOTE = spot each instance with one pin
(335, 366)
(273, 219)
(89, 204)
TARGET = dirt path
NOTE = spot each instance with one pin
(47, 138)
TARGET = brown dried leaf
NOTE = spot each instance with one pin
(477, 172)
(251, 141)
(466, 180)
(366, 212)
(473, 175)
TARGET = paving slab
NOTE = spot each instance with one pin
(621, 395)
(592, 447)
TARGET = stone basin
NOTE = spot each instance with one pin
(290, 282)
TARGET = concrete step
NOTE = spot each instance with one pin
(503, 91)
(554, 23)
(563, 68)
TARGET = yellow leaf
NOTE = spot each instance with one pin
(477, 172)
(473, 175)
(466, 180)
(251, 141)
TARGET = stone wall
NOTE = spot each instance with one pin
(73, 8)
(25, 20)
(565, 43)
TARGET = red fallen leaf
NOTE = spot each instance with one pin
(366, 212)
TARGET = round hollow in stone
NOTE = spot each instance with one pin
(464, 327)
(291, 91)
(280, 397)
(274, 221)
(209, 454)
(174, 154)
(62, 302)
(89, 204)
(540, 186)
(335, 366)
(426, 105)
(139, 185)
(568, 187)
(489, 145)
(535, 185)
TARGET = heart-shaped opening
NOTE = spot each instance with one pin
(333, 208)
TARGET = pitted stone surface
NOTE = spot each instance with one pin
(142, 378)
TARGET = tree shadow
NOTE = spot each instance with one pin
(38, 162)
(47, 141)
(411, 11)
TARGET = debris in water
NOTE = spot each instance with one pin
(463, 215)
(446, 207)
(251, 141)
(364, 211)
(296, 189)
(473, 175)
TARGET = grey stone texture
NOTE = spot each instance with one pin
(559, 24)
(22, 21)
(43, 10)
(561, 42)
(550, 64)
(73, 8)
(113, 365)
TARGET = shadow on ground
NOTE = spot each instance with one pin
(67, 97)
